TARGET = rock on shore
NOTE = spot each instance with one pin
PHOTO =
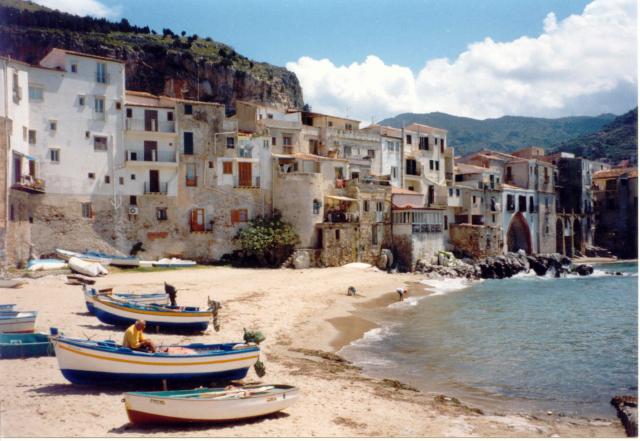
(627, 407)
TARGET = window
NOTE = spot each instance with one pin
(91, 175)
(188, 109)
(511, 202)
(379, 206)
(133, 177)
(100, 143)
(431, 164)
(522, 203)
(316, 206)
(192, 179)
(441, 145)
(269, 115)
(273, 140)
(446, 222)
(286, 141)
(121, 180)
(365, 206)
(12, 213)
(188, 143)
(53, 125)
(81, 100)
(101, 73)
(227, 168)
(107, 179)
(54, 155)
(474, 200)
(25, 133)
(451, 192)
(133, 200)
(32, 137)
(169, 116)
(118, 105)
(239, 216)
(36, 93)
(457, 192)
(265, 143)
(437, 165)
(508, 177)
(394, 172)
(424, 143)
(374, 235)
(371, 153)
(210, 164)
(337, 235)
(330, 124)
(348, 126)
(408, 139)
(99, 105)
(412, 167)
(347, 151)
(532, 206)
(74, 68)
(87, 212)
(87, 134)
(161, 213)
(231, 142)
(129, 113)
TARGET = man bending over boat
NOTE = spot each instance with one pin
(134, 338)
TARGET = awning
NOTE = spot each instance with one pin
(30, 158)
(341, 198)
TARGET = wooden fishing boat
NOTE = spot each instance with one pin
(25, 345)
(140, 299)
(208, 405)
(88, 362)
(7, 307)
(45, 264)
(112, 259)
(174, 263)
(158, 318)
(17, 321)
(12, 283)
(92, 269)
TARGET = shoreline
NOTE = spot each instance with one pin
(293, 309)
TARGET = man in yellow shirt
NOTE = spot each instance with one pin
(134, 338)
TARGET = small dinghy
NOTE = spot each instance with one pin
(17, 321)
(45, 264)
(25, 345)
(141, 299)
(73, 279)
(174, 263)
(161, 318)
(208, 405)
(89, 362)
(91, 269)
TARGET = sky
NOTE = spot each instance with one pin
(372, 59)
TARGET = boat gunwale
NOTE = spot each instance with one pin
(276, 390)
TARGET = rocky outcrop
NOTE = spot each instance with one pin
(627, 407)
(201, 69)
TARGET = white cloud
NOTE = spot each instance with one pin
(82, 7)
(583, 65)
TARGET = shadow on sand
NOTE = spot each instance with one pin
(74, 389)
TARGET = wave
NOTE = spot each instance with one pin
(446, 286)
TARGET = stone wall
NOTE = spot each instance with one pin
(476, 240)
(337, 251)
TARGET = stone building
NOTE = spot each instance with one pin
(616, 210)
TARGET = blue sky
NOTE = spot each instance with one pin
(373, 59)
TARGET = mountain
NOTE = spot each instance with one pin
(507, 133)
(616, 141)
(175, 65)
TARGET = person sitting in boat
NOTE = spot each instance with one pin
(134, 338)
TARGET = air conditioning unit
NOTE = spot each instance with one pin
(133, 210)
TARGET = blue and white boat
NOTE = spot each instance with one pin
(159, 318)
(101, 258)
(89, 362)
(160, 299)
(7, 307)
(17, 321)
(25, 345)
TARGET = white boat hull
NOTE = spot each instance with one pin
(20, 322)
(148, 409)
(92, 269)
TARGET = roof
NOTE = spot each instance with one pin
(463, 168)
(314, 114)
(514, 187)
(631, 172)
(396, 190)
(418, 127)
(82, 54)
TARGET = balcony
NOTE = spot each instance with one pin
(287, 149)
(156, 188)
(140, 125)
(154, 158)
(29, 184)
(338, 216)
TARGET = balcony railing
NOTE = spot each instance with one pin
(287, 149)
(192, 181)
(158, 188)
(29, 184)
(140, 125)
(341, 217)
(155, 156)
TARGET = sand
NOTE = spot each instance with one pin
(306, 316)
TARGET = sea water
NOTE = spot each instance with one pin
(531, 344)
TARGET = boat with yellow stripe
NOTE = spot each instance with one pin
(158, 317)
(88, 362)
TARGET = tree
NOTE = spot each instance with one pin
(183, 33)
(267, 239)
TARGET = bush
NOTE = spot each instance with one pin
(268, 240)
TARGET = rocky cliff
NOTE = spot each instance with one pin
(182, 66)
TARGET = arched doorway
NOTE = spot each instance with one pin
(559, 233)
(577, 237)
(519, 234)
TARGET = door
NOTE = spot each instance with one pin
(17, 169)
(244, 174)
(431, 195)
(154, 181)
(151, 120)
(197, 219)
(150, 151)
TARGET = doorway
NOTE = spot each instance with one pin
(150, 151)
(154, 181)
(245, 178)
(197, 219)
(151, 120)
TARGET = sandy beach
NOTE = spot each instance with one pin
(306, 316)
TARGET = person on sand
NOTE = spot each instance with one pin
(134, 338)
(401, 293)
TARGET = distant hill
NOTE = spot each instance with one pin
(170, 63)
(508, 133)
(616, 141)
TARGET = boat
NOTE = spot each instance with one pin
(92, 269)
(174, 263)
(73, 279)
(157, 317)
(25, 345)
(208, 405)
(17, 321)
(45, 264)
(7, 307)
(111, 259)
(140, 299)
(89, 362)
(12, 283)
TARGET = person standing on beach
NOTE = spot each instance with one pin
(401, 293)
(134, 338)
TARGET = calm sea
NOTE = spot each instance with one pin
(528, 344)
